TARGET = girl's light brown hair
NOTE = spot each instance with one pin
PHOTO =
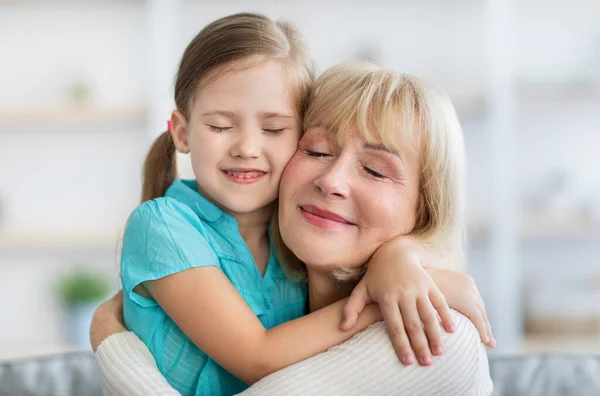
(401, 112)
(240, 38)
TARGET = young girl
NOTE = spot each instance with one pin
(202, 286)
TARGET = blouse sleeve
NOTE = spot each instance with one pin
(162, 237)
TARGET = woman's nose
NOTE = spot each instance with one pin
(334, 181)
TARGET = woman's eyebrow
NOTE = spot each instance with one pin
(381, 147)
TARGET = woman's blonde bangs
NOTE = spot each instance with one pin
(377, 105)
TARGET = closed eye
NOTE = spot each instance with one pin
(278, 131)
(315, 154)
(215, 128)
(373, 173)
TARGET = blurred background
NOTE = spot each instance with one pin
(85, 86)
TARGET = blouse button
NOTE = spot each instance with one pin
(268, 303)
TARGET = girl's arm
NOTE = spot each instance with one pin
(211, 312)
(410, 298)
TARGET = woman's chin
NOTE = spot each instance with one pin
(320, 254)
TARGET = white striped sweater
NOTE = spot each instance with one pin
(364, 365)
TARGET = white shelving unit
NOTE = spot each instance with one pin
(535, 227)
(73, 114)
(59, 243)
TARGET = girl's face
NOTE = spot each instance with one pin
(243, 130)
(337, 205)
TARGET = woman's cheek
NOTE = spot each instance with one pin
(291, 167)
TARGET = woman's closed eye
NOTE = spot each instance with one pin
(373, 173)
(315, 154)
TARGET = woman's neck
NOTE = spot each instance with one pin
(323, 289)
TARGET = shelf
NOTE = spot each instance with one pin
(71, 114)
(23, 350)
(567, 343)
(41, 242)
(530, 98)
(542, 227)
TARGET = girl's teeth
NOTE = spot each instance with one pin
(245, 175)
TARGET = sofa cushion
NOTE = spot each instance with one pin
(532, 375)
(546, 375)
(72, 373)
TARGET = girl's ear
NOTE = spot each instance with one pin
(179, 131)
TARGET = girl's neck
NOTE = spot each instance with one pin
(323, 289)
(253, 228)
(253, 225)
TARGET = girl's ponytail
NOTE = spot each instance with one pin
(160, 167)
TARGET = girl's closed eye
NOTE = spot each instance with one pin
(216, 128)
(274, 131)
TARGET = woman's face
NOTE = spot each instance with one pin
(339, 204)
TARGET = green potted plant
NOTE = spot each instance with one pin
(81, 291)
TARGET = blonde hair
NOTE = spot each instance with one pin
(390, 108)
(232, 42)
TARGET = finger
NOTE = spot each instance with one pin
(354, 306)
(431, 325)
(416, 332)
(492, 340)
(478, 320)
(395, 324)
(442, 308)
(488, 326)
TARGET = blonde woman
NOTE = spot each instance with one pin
(381, 158)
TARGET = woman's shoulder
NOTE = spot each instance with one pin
(464, 363)
(368, 364)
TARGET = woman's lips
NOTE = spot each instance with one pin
(243, 176)
(323, 218)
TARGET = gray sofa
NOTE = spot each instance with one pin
(533, 375)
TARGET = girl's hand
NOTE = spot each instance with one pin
(462, 294)
(409, 300)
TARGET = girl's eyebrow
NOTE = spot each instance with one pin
(229, 114)
(274, 115)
